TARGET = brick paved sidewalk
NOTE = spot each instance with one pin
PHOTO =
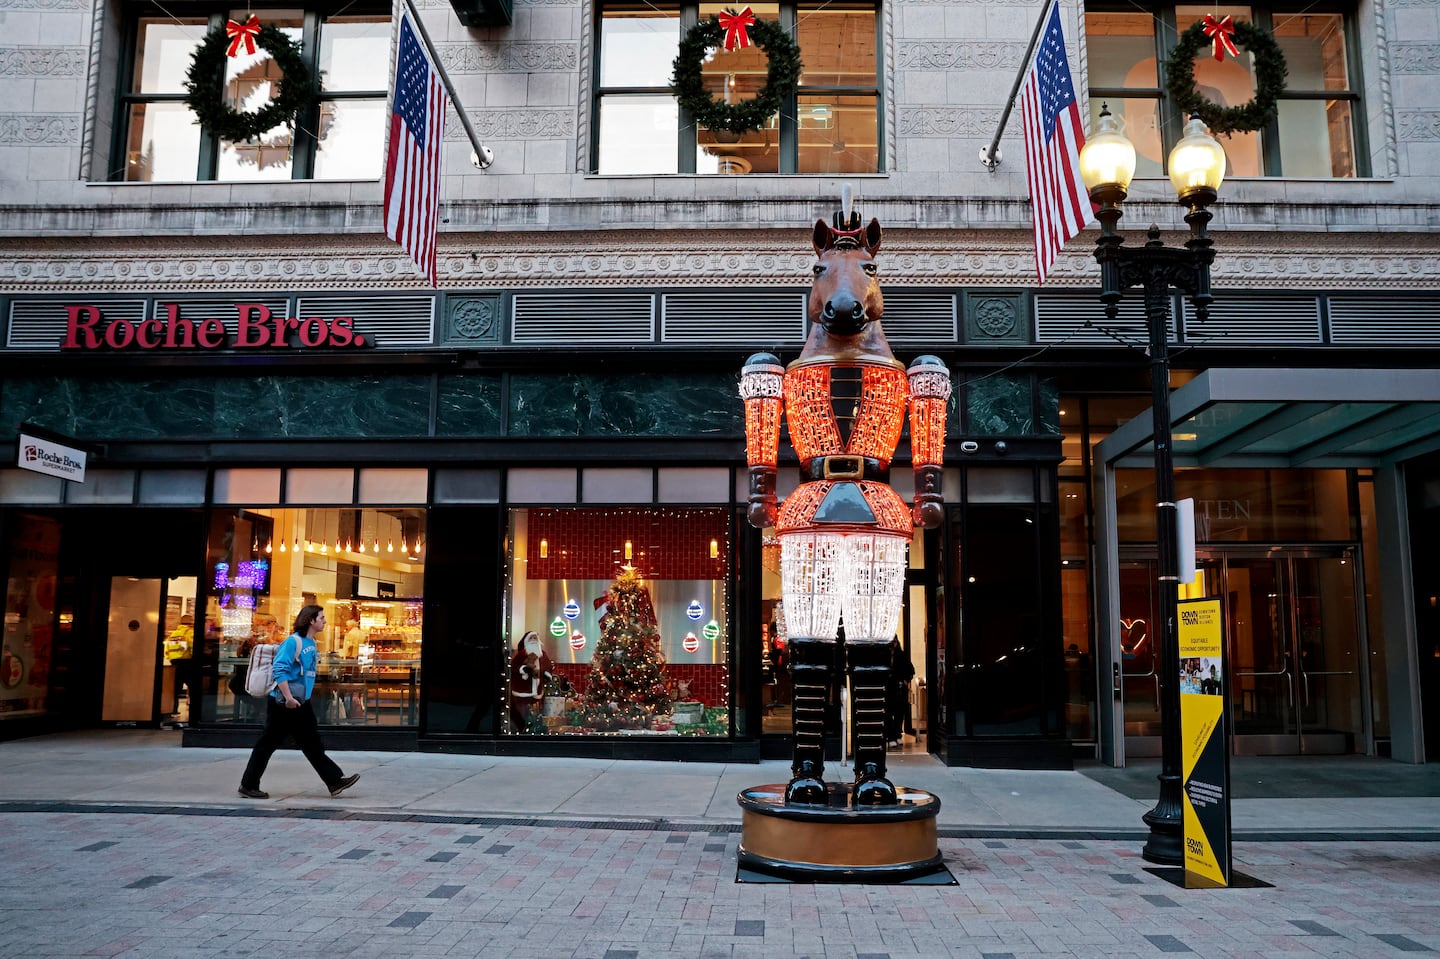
(160, 886)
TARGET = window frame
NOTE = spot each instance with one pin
(1263, 14)
(305, 147)
(787, 127)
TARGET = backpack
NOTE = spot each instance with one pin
(258, 680)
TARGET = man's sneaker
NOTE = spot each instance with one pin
(344, 784)
(249, 793)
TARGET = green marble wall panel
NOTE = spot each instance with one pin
(219, 408)
(999, 406)
(468, 406)
(332, 406)
(1048, 394)
(625, 405)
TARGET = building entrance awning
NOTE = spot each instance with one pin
(1272, 418)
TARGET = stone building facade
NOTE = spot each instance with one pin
(596, 297)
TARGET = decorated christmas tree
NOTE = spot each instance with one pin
(627, 676)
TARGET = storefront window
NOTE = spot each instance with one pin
(618, 622)
(1242, 506)
(29, 619)
(365, 567)
(777, 691)
(1075, 613)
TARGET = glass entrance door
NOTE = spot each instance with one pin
(1293, 644)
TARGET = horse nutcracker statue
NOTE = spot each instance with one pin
(845, 532)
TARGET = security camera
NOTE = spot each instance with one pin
(483, 158)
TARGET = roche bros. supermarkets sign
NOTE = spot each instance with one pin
(51, 457)
(257, 326)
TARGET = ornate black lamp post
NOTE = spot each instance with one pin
(1197, 166)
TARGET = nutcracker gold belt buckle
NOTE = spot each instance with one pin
(843, 467)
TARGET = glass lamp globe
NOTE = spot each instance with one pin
(1108, 157)
(1197, 164)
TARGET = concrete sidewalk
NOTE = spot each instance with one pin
(148, 770)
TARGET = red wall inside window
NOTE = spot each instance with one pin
(707, 680)
(590, 543)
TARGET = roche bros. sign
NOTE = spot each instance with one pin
(86, 328)
(52, 458)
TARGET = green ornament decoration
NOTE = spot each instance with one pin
(1270, 73)
(782, 75)
(204, 86)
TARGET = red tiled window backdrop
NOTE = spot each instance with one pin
(664, 543)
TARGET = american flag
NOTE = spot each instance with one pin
(412, 168)
(1053, 138)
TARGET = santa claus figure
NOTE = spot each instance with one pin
(530, 670)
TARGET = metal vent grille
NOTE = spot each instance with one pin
(1360, 319)
(569, 319)
(389, 322)
(1081, 321)
(1275, 320)
(921, 317)
(223, 308)
(732, 317)
(41, 326)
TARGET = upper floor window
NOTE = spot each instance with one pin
(341, 136)
(1319, 130)
(831, 125)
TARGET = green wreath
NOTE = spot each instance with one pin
(1270, 73)
(204, 86)
(782, 75)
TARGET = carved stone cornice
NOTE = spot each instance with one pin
(43, 61)
(953, 55)
(1418, 124)
(519, 124)
(32, 129)
(470, 57)
(1418, 58)
(976, 123)
(675, 258)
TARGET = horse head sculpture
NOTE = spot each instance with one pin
(845, 303)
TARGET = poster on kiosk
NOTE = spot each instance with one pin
(1205, 744)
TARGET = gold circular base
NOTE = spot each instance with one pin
(839, 842)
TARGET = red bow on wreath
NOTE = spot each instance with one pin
(734, 25)
(1222, 32)
(242, 33)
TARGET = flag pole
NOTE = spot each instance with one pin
(990, 156)
(483, 156)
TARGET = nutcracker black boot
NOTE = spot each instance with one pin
(869, 675)
(811, 662)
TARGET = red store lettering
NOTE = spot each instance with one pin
(257, 327)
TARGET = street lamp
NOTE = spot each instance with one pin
(1197, 167)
